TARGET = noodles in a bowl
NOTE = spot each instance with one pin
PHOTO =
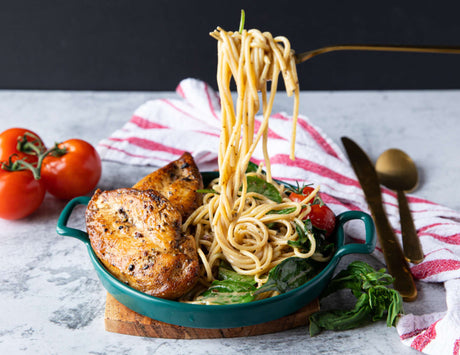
(238, 224)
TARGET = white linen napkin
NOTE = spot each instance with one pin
(161, 130)
(435, 333)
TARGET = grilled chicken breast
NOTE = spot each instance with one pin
(178, 182)
(136, 232)
(137, 236)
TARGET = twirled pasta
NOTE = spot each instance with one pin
(233, 224)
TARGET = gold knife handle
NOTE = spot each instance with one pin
(394, 258)
(411, 243)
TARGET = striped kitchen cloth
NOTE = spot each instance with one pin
(161, 130)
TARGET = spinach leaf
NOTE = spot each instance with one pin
(252, 167)
(374, 299)
(282, 211)
(358, 276)
(258, 185)
(227, 292)
(323, 246)
(290, 274)
(229, 288)
(303, 243)
(207, 191)
(342, 319)
(227, 273)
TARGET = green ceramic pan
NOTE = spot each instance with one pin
(222, 316)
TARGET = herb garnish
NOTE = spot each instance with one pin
(290, 274)
(260, 186)
(374, 299)
(229, 288)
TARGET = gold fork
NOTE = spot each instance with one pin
(302, 57)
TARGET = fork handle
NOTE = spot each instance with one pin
(302, 57)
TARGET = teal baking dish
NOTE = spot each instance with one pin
(222, 316)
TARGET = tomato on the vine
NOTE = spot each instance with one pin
(28, 170)
(321, 216)
(74, 173)
(9, 144)
(20, 194)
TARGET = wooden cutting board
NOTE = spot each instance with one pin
(120, 319)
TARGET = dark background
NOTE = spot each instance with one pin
(152, 45)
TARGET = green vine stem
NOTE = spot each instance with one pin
(242, 21)
(32, 147)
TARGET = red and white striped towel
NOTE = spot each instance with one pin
(161, 130)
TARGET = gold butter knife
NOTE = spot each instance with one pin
(394, 258)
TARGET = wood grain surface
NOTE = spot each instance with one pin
(120, 319)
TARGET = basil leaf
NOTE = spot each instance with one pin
(395, 308)
(227, 292)
(206, 191)
(290, 274)
(302, 242)
(323, 246)
(252, 167)
(342, 319)
(358, 276)
(227, 273)
(374, 299)
(282, 211)
(260, 186)
(230, 288)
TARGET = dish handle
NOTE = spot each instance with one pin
(63, 229)
(355, 248)
(343, 249)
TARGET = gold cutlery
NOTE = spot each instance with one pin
(394, 258)
(302, 57)
(397, 171)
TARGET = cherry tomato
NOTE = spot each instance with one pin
(73, 174)
(321, 216)
(299, 197)
(20, 194)
(307, 190)
(294, 196)
(9, 142)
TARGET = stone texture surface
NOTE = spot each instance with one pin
(52, 301)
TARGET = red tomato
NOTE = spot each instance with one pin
(73, 174)
(20, 194)
(294, 196)
(9, 142)
(307, 190)
(321, 216)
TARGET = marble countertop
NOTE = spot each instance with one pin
(52, 301)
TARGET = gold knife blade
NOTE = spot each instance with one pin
(395, 261)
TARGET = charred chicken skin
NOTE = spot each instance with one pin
(178, 182)
(136, 233)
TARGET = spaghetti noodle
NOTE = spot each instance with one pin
(245, 228)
